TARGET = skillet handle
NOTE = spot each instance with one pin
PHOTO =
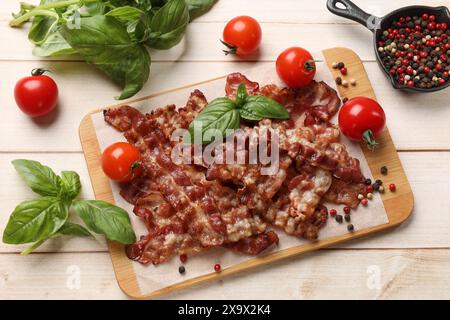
(353, 12)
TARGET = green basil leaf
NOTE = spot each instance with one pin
(95, 8)
(126, 13)
(220, 114)
(104, 42)
(73, 229)
(241, 95)
(35, 220)
(259, 107)
(249, 115)
(70, 181)
(41, 179)
(104, 218)
(169, 24)
(41, 28)
(199, 7)
(54, 45)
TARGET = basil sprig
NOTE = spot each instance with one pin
(46, 217)
(222, 115)
(112, 35)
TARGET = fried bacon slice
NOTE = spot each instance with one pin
(193, 207)
(197, 212)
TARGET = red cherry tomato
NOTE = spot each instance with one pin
(296, 67)
(362, 119)
(242, 36)
(121, 162)
(36, 95)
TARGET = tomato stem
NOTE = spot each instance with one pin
(231, 49)
(134, 166)
(39, 71)
(369, 139)
(310, 65)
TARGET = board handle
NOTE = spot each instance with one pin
(353, 12)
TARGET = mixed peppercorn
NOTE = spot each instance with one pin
(416, 51)
(370, 188)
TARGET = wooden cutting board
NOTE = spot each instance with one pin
(398, 204)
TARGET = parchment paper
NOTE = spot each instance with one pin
(151, 278)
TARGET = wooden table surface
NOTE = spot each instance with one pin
(411, 261)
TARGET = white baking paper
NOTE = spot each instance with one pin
(151, 278)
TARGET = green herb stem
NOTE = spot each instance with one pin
(32, 247)
(44, 10)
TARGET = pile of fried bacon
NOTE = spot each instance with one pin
(188, 208)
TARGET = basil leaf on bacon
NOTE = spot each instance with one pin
(259, 107)
(41, 179)
(241, 95)
(220, 115)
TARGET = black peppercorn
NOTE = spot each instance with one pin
(384, 170)
(350, 227)
(379, 182)
(181, 269)
(347, 217)
(340, 65)
(368, 182)
(376, 186)
(338, 80)
(344, 100)
(339, 218)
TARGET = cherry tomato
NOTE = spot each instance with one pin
(121, 162)
(36, 95)
(242, 36)
(362, 119)
(296, 67)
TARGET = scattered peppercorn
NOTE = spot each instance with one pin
(369, 189)
(340, 65)
(353, 82)
(347, 210)
(181, 269)
(368, 182)
(376, 186)
(369, 196)
(333, 212)
(364, 202)
(392, 187)
(384, 170)
(360, 196)
(339, 218)
(217, 267)
(338, 80)
(378, 181)
(415, 51)
(183, 258)
(334, 65)
(350, 227)
(344, 100)
(343, 70)
(347, 217)
(345, 83)
(381, 189)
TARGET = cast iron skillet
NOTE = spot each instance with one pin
(377, 25)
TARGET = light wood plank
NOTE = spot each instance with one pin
(416, 121)
(326, 274)
(428, 173)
